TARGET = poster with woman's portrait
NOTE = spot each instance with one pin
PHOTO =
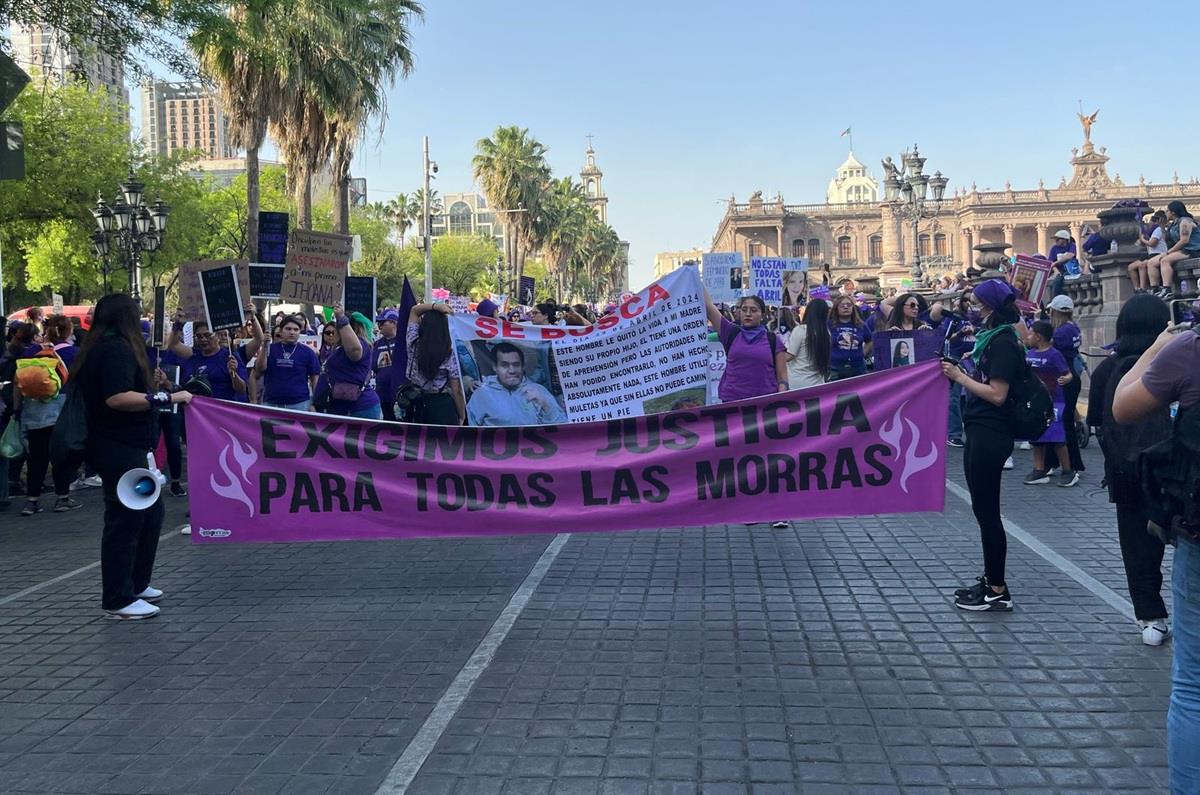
(901, 348)
(1029, 277)
(795, 288)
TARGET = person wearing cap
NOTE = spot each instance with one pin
(1067, 340)
(1063, 256)
(289, 368)
(210, 358)
(384, 355)
(999, 360)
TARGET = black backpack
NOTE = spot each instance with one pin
(1170, 477)
(1029, 406)
(1123, 445)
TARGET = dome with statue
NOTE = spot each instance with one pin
(852, 185)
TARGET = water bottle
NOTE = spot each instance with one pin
(1183, 287)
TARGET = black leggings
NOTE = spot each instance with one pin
(39, 462)
(1071, 398)
(984, 455)
(436, 409)
(1142, 554)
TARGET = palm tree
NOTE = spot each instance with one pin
(375, 44)
(416, 207)
(562, 226)
(511, 169)
(341, 54)
(233, 58)
(597, 258)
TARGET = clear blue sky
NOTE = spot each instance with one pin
(692, 101)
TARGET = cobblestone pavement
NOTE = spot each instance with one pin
(725, 659)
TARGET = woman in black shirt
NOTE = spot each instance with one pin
(113, 373)
(999, 359)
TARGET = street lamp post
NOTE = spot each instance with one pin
(128, 228)
(512, 266)
(907, 191)
(430, 169)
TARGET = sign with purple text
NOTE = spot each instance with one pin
(868, 445)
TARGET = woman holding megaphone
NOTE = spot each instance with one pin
(113, 374)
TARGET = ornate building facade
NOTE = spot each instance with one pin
(864, 240)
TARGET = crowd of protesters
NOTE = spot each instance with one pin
(134, 395)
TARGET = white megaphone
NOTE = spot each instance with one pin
(138, 488)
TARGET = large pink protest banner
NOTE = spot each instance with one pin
(868, 445)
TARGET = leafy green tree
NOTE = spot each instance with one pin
(76, 145)
(126, 27)
(461, 262)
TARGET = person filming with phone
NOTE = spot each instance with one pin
(1169, 372)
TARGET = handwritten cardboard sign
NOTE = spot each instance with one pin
(191, 297)
(317, 264)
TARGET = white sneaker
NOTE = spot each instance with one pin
(133, 612)
(79, 484)
(93, 482)
(1009, 463)
(1024, 446)
(151, 594)
(1155, 632)
(185, 530)
(780, 525)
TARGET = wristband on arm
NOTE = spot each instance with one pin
(158, 400)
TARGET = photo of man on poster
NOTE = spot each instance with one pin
(509, 397)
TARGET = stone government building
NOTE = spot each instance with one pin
(862, 239)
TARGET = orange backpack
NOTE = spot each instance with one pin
(41, 376)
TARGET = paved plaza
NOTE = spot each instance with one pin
(727, 659)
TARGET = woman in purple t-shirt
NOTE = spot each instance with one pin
(755, 361)
(348, 370)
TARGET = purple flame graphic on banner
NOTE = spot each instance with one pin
(245, 457)
(892, 434)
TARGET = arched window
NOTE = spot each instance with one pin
(875, 250)
(591, 187)
(460, 218)
(939, 245)
(798, 247)
(845, 247)
(814, 249)
(923, 244)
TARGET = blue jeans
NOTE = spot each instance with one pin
(1183, 717)
(373, 413)
(300, 406)
(954, 426)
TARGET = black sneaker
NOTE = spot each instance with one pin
(980, 583)
(177, 489)
(985, 599)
